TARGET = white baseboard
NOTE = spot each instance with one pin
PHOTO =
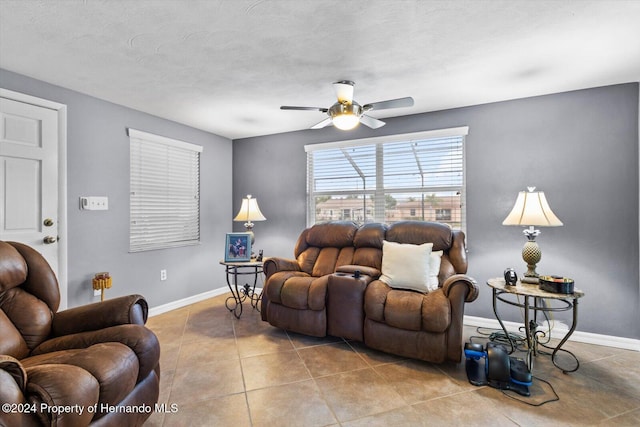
(559, 332)
(154, 311)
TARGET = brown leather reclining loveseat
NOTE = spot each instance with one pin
(319, 292)
(91, 365)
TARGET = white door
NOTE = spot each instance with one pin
(29, 177)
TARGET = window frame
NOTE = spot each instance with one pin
(171, 219)
(378, 191)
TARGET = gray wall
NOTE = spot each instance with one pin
(98, 165)
(580, 147)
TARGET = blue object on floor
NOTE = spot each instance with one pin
(499, 369)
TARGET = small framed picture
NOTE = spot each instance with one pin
(238, 247)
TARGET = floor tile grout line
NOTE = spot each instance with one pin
(175, 367)
(315, 383)
(387, 382)
(613, 417)
(358, 353)
(244, 381)
(367, 367)
(371, 368)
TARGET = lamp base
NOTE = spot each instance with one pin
(531, 254)
(249, 227)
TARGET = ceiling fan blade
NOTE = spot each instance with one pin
(392, 103)
(344, 91)
(289, 107)
(371, 122)
(325, 122)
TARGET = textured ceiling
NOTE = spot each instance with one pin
(225, 66)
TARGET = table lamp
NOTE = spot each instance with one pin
(531, 209)
(249, 211)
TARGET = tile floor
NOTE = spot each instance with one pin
(221, 371)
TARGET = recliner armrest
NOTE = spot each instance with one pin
(461, 280)
(36, 389)
(138, 338)
(14, 368)
(131, 309)
(59, 385)
(274, 264)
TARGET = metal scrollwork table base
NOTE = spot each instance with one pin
(241, 293)
(529, 292)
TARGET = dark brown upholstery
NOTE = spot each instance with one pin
(98, 354)
(296, 296)
(316, 294)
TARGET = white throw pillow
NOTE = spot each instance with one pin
(434, 269)
(406, 266)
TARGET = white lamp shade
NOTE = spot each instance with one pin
(532, 208)
(344, 91)
(249, 211)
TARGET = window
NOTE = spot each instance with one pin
(443, 214)
(389, 179)
(164, 192)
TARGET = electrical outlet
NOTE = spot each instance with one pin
(163, 274)
(97, 292)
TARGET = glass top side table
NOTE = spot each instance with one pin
(505, 293)
(240, 293)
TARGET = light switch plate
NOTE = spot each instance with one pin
(94, 203)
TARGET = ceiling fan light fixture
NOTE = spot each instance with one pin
(345, 116)
(346, 121)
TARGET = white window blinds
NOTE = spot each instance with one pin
(164, 192)
(403, 177)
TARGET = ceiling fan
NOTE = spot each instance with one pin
(347, 113)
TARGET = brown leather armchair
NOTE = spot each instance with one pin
(91, 365)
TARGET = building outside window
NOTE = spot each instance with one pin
(443, 214)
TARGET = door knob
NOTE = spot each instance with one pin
(49, 240)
